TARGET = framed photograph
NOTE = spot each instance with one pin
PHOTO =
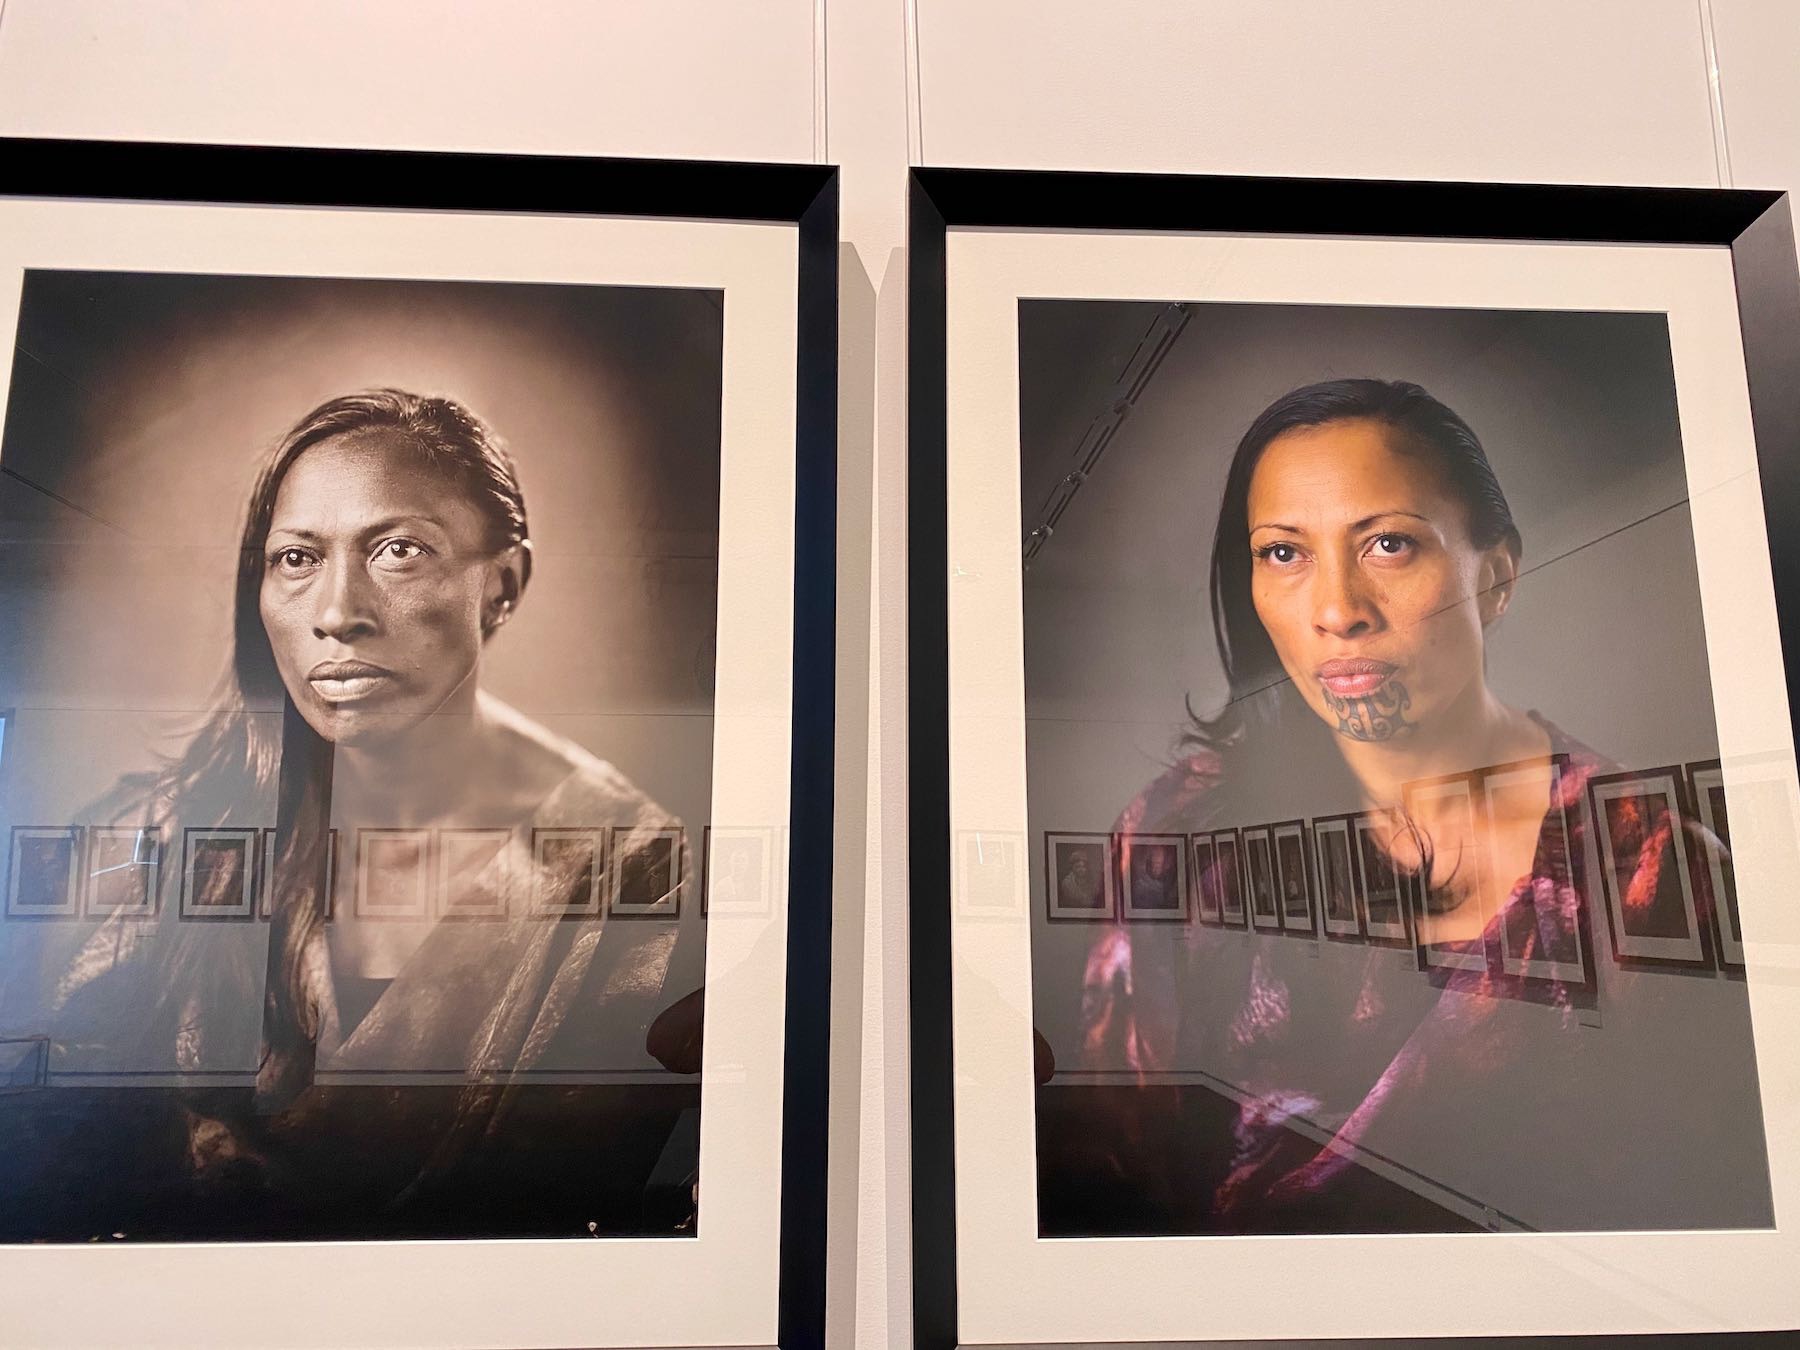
(569, 872)
(1651, 910)
(501, 491)
(1706, 791)
(1483, 489)
(266, 873)
(1261, 886)
(1382, 890)
(1153, 878)
(1080, 877)
(740, 869)
(1209, 904)
(647, 870)
(993, 875)
(475, 872)
(1451, 892)
(43, 874)
(1294, 879)
(218, 874)
(1334, 864)
(1544, 936)
(394, 874)
(123, 872)
(1228, 853)
(1749, 799)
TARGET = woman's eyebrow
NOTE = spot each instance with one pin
(1276, 525)
(396, 521)
(1367, 521)
(374, 527)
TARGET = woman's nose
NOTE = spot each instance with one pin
(1342, 605)
(347, 604)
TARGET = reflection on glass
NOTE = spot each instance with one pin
(1431, 1053)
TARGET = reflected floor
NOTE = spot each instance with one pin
(80, 1164)
(1127, 1161)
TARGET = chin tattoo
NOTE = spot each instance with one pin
(1380, 716)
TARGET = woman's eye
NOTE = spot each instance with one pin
(399, 551)
(290, 559)
(1391, 545)
(1281, 554)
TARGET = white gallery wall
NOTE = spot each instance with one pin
(1678, 92)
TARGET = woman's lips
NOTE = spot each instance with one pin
(346, 681)
(1355, 678)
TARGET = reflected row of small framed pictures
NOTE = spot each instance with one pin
(227, 874)
(1329, 876)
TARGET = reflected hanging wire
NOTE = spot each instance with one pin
(1677, 504)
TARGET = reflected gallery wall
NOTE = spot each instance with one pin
(1386, 623)
(357, 765)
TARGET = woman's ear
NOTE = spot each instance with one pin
(1498, 578)
(504, 584)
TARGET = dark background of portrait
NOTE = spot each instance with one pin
(141, 407)
(1577, 412)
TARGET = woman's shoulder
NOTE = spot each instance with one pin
(572, 785)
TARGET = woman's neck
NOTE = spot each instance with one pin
(418, 777)
(1478, 730)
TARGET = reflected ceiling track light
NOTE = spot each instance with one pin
(1146, 358)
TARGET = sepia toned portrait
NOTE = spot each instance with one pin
(1080, 876)
(360, 679)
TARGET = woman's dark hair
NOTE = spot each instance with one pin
(1418, 425)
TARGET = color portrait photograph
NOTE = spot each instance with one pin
(1413, 608)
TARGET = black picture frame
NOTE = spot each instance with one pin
(1757, 228)
(1325, 829)
(1300, 925)
(1705, 780)
(1669, 782)
(1228, 854)
(145, 852)
(1108, 877)
(1178, 878)
(1371, 865)
(1258, 844)
(491, 840)
(1203, 856)
(248, 841)
(69, 838)
(1548, 980)
(265, 875)
(614, 902)
(1441, 960)
(804, 196)
(424, 878)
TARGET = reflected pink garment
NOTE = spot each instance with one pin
(1395, 1042)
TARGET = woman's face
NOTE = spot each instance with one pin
(1364, 575)
(375, 582)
